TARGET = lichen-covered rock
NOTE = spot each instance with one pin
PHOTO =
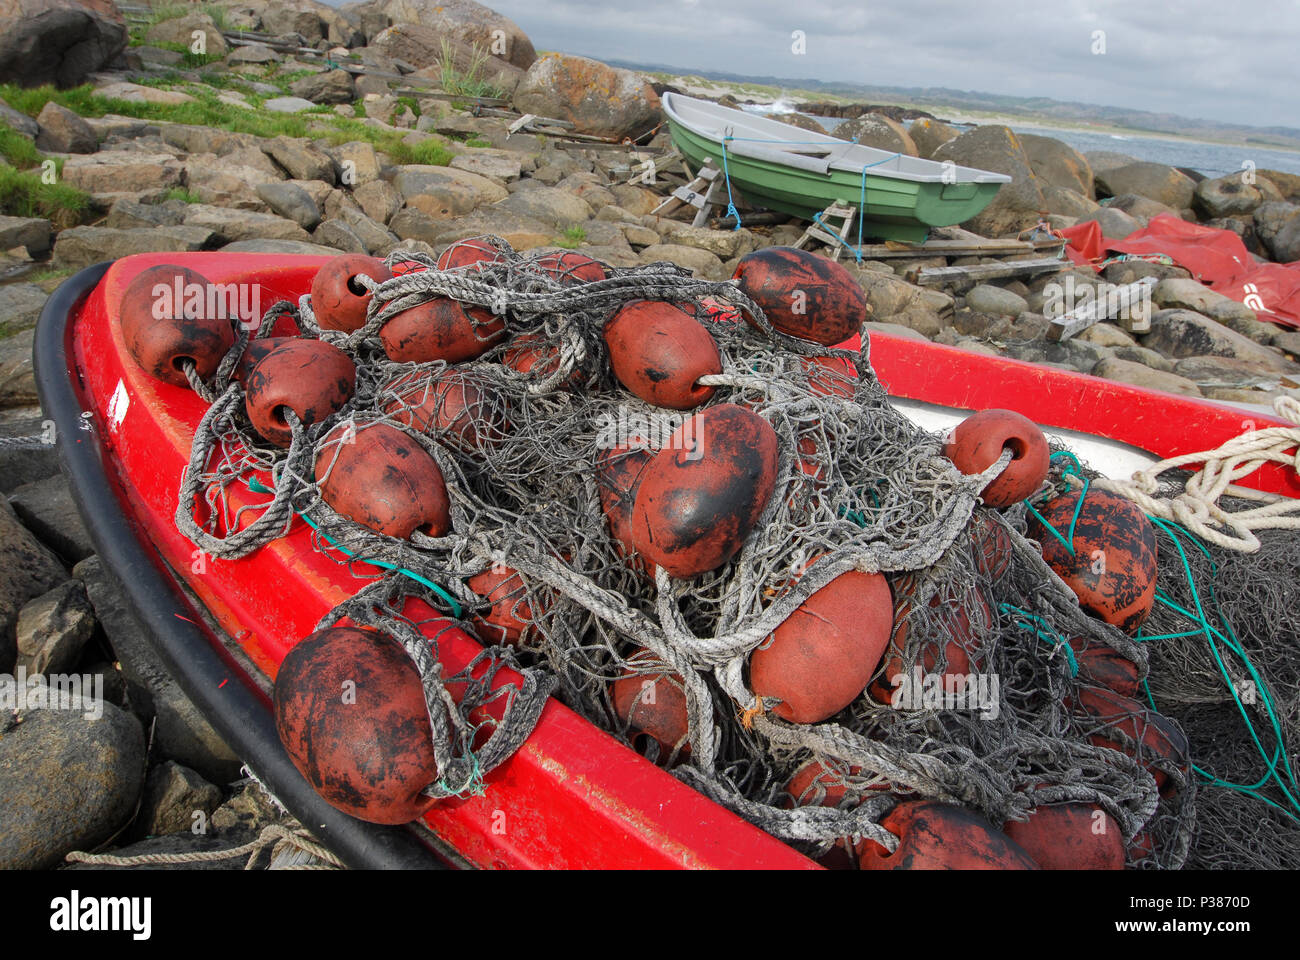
(929, 135)
(996, 148)
(875, 130)
(468, 22)
(1058, 164)
(599, 100)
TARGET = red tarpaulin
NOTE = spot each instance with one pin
(1217, 258)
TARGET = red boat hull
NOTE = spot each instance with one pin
(572, 796)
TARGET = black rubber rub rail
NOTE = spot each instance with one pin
(237, 710)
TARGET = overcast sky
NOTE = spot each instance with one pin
(1230, 60)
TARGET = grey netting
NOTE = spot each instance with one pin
(859, 488)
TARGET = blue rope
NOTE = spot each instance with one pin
(726, 176)
(257, 486)
(862, 197)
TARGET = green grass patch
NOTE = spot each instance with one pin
(359, 107)
(17, 150)
(50, 278)
(184, 195)
(478, 142)
(207, 111)
(24, 194)
(572, 238)
(410, 103)
(190, 61)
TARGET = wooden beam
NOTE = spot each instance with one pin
(1101, 308)
(937, 276)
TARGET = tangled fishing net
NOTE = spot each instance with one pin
(859, 488)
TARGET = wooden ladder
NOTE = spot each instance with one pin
(703, 193)
(844, 212)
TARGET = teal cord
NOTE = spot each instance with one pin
(1284, 779)
(726, 176)
(1040, 628)
(257, 486)
(1232, 642)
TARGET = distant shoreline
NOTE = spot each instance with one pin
(699, 86)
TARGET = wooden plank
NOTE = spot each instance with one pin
(1101, 308)
(937, 276)
(955, 248)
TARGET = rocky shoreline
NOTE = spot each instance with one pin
(375, 144)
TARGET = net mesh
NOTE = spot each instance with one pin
(520, 434)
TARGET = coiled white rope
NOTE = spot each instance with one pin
(1197, 506)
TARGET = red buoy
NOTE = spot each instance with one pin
(659, 352)
(312, 378)
(350, 711)
(535, 356)
(167, 323)
(939, 836)
(819, 784)
(803, 294)
(1151, 739)
(441, 329)
(338, 300)
(964, 618)
(1112, 568)
(254, 352)
(820, 659)
(702, 494)
(510, 618)
(830, 376)
(571, 268)
(618, 478)
(380, 478)
(1101, 664)
(474, 252)
(1069, 836)
(653, 703)
(979, 440)
(452, 407)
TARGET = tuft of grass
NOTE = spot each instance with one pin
(572, 238)
(24, 194)
(172, 11)
(429, 152)
(469, 82)
(478, 142)
(410, 103)
(50, 278)
(184, 195)
(17, 150)
(359, 107)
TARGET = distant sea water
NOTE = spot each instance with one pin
(1211, 159)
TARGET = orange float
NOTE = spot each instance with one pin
(1112, 568)
(165, 326)
(939, 836)
(338, 300)
(978, 441)
(822, 656)
(382, 479)
(350, 711)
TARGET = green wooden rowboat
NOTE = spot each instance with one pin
(800, 172)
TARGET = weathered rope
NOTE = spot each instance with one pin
(1196, 507)
(279, 838)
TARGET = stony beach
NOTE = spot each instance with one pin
(370, 144)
